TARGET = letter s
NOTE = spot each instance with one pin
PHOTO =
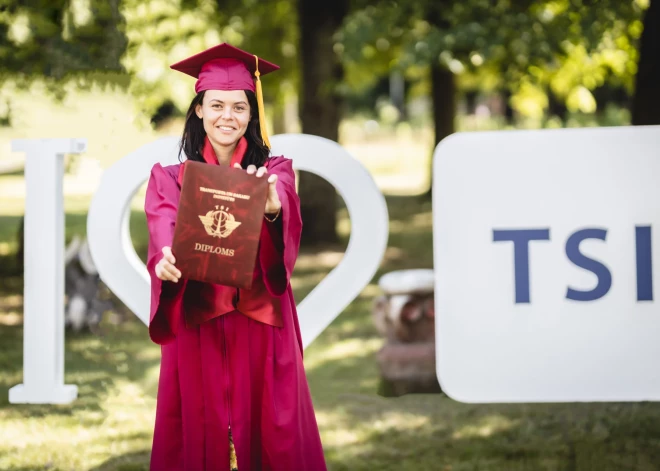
(597, 268)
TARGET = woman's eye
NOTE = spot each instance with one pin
(240, 108)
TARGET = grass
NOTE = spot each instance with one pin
(109, 427)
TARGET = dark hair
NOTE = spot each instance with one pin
(192, 141)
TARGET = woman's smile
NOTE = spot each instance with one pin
(226, 129)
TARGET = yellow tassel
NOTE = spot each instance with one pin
(260, 102)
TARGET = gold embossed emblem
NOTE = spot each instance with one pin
(219, 222)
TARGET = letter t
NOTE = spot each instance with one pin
(521, 239)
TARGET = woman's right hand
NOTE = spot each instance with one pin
(165, 269)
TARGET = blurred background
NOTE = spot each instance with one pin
(386, 79)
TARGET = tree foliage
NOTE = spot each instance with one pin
(568, 47)
(59, 39)
(532, 48)
(83, 42)
(163, 32)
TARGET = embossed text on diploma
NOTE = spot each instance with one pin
(224, 195)
(213, 249)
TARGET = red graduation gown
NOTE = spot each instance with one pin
(232, 370)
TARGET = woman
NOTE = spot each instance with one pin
(236, 381)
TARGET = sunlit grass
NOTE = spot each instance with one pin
(110, 425)
(116, 375)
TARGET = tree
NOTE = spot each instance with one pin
(443, 82)
(646, 101)
(54, 40)
(527, 49)
(320, 109)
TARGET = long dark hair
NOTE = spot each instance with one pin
(192, 141)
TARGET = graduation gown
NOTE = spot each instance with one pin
(237, 369)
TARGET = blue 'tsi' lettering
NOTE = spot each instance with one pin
(522, 237)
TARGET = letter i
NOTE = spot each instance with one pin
(644, 263)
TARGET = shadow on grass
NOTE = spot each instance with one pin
(441, 448)
(136, 461)
(435, 432)
(38, 468)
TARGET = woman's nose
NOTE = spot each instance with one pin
(226, 113)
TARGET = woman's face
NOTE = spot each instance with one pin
(226, 114)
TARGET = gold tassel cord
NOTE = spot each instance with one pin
(260, 102)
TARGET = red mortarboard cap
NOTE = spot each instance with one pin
(224, 67)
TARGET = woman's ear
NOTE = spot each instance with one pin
(198, 111)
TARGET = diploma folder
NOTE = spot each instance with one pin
(218, 224)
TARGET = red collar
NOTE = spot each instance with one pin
(210, 158)
(237, 157)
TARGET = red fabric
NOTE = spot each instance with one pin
(208, 154)
(224, 74)
(232, 370)
(223, 67)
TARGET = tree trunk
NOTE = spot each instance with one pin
(509, 114)
(398, 93)
(279, 118)
(320, 111)
(557, 107)
(443, 95)
(646, 102)
(444, 101)
(471, 102)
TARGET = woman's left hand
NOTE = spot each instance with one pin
(273, 204)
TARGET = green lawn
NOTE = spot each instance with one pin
(109, 427)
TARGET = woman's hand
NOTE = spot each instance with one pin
(273, 204)
(165, 269)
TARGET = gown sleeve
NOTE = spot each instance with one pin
(280, 240)
(161, 203)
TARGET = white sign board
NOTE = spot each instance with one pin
(546, 273)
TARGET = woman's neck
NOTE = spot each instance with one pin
(223, 153)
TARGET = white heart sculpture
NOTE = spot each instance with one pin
(125, 274)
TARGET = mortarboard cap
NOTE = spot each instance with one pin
(225, 67)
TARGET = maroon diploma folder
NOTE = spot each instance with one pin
(218, 224)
